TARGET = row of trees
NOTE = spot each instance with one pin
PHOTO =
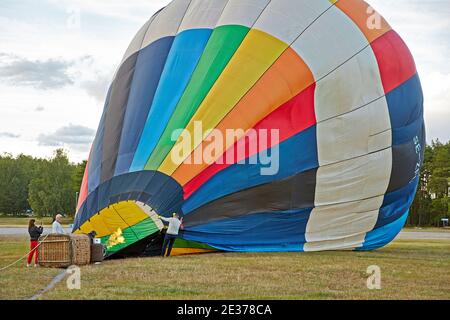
(432, 202)
(47, 186)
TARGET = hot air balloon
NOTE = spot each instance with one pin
(330, 88)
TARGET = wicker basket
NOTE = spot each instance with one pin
(81, 249)
(62, 251)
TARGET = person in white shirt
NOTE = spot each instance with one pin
(171, 234)
(56, 225)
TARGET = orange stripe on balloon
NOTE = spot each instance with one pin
(185, 251)
(287, 77)
(365, 17)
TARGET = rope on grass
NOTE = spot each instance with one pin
(23, 257)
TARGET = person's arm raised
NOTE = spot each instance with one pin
(164, 219)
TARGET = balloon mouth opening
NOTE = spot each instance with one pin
(123, 211)
(124, 227)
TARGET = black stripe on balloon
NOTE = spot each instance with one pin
(115, 116)
(407, 159)
(295, 192)
(95, 158)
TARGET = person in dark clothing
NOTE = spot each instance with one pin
(35, 232)
(92, 236)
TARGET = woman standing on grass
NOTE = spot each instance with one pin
(35, 232)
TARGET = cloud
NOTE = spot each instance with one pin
(134, 11)
(436, 86)
(96, 87)
(40, 74)
(91, 76)
(75, 136)
(9, 135)
(84, 72)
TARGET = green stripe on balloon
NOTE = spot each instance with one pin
(222, 45)
(181, 243)
(132, 234)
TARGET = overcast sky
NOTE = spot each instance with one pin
(57, 58)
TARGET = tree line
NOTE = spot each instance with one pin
(432, 202)
(45, 186)
(49, 186)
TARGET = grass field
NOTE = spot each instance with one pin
(410, 270)
(22, 222)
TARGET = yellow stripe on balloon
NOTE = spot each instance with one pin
(120, 215)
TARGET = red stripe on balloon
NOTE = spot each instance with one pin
(290, 118)
(84, 187)
(395, 61)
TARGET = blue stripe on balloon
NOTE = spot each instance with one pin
(396, 203)
(382, 236)
(297, 154)
(405, 105)
(408, 135)
(261, 232)
(406, 110)
(184, 56)
(149, 67)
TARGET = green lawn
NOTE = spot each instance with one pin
(23, 221)
(20, 282)
(410, 270)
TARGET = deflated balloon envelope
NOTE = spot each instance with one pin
(335, 82)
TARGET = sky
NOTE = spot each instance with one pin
(57, 58)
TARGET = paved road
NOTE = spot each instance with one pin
(19, 231)
(423, 235)
(406, 235)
